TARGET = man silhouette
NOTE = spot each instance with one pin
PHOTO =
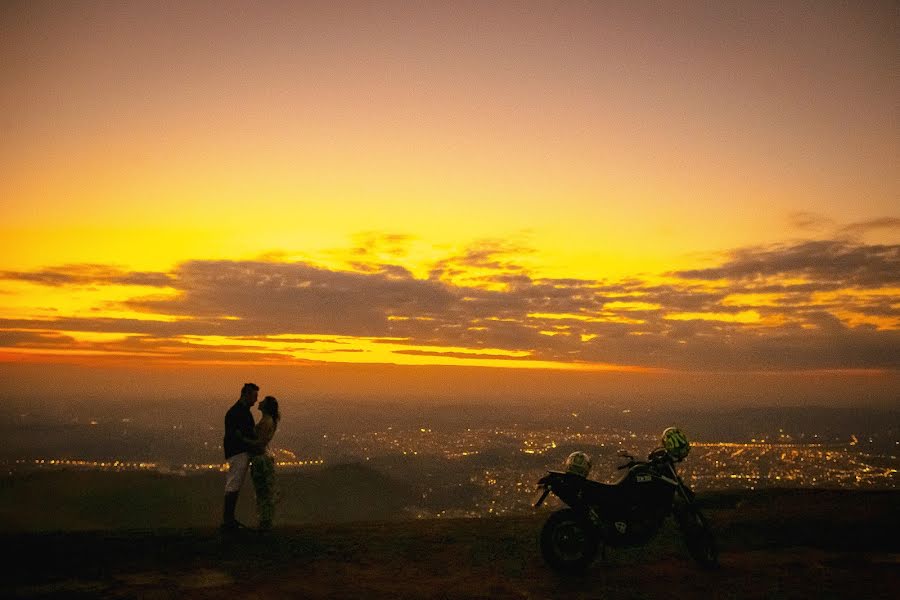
(239, 441)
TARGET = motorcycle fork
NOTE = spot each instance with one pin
(686, 494)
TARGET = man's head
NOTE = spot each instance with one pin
(249, 393)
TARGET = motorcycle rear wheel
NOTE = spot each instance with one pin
(568, 541)
(698, 537)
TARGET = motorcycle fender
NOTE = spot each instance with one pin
(550, 478)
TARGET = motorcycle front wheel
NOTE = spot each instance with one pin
(698, 537)
(568, 541)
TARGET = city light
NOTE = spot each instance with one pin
(504, 463)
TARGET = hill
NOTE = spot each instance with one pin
(775, 545)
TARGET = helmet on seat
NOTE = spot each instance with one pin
(675, 443)
(578, 463)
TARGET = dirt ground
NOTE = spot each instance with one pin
(802, 545)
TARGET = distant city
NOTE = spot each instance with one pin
(475, 471)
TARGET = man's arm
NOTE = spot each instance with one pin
(247, 439)
(250, 441)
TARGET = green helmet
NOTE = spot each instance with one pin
(578, 463)
(675, 443)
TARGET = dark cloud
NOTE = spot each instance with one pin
(828, 261)
(391, 271)
(682, 299)
(863, 227)
(879, 308)
(499, 256)
(461, 355)
(138, 346)
(819, 224)
(809, 221)
(88, 274)
(298, 297)
(377, 243)
(709, 345)
(10, 339)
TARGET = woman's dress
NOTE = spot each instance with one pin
(262, 472)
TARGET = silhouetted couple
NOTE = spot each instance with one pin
(246, 449)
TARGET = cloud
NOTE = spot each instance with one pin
(263, 297)
(466, 355)
(819, 224)
(748, 312)
(377, 243)
(823, 261)
(88, 274)
(32, 339)
(809, 221)
(486, 259)
(863, 227)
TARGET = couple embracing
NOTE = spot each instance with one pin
(246, 449)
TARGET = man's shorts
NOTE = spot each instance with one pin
(238, 465)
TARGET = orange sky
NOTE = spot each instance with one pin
(581, 187)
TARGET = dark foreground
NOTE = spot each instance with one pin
(795, 544)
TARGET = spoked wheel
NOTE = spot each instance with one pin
(568, 541)
(698, 537)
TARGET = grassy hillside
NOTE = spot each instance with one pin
(775, 545)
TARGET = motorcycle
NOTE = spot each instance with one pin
(628, 513)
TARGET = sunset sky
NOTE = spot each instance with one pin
(575, 189)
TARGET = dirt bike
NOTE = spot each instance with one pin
(628, 513)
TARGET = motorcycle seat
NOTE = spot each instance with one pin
(594, 491)
(603, 492)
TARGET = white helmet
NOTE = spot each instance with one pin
(578, 463)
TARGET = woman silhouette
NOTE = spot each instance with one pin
(262, 464)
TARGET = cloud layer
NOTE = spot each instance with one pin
(827, 304)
